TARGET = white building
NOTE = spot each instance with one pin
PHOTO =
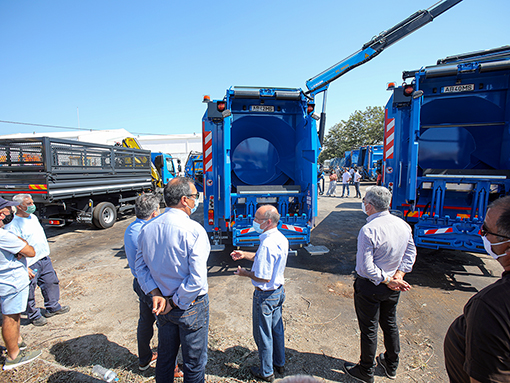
(178, 145)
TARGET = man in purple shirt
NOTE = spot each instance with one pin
(386, 252)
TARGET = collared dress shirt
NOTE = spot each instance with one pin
(172, 256)
(131, 242)
(270, 259)
(385, 245)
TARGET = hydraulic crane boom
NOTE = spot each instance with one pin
(383, 40)
(375, 46)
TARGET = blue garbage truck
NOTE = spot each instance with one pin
(447, 146)
(260, 146)
(369, 158)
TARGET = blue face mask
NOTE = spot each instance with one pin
(194, 209)
(30, 209)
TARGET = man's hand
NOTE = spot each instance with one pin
(159, 304)
(242, 272)
(398, 285)
(31, 274)
(237, 255)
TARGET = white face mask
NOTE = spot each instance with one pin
(194, 208)
(363, 207)
(488, 247)
(257, 228)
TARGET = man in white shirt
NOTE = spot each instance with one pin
(40, 269)
(357, 179)
(386, 252)
(345, 182)
(267, 276)
(171, 264)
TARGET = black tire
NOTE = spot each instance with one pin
(104, 215)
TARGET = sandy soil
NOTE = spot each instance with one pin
(320, 323)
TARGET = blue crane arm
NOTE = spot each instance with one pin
(376, 45)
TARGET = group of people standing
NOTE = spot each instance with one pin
(24, 264)
(167, 254)
(348, 176)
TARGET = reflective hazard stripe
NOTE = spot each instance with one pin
(389, 136)
(38, 187)
(293, 228)
(439, 231)
(207, 151)
(246, 231)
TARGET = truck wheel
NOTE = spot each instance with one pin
(104, 215)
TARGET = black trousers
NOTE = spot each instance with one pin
(376, 305)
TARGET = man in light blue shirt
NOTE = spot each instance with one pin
(171, 264)
(13, 290)
(146, 208)
(386, 252)
(267, 276)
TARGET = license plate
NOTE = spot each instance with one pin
(459, 88)
(262, 108)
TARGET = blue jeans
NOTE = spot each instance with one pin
(189, 329)
(145, 329)
(268, 328)
(46, 278)
(345, 186)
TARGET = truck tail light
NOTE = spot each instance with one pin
(310, 108)
(210, 217)
(221, 106)
(408, 90)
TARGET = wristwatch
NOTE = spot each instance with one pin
(386, 281)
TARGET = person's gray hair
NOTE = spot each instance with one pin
(176, 189)
(503, 222)
(272, 214)
(146, 204)
(379, 197)
(21, 197)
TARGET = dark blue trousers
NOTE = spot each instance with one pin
(47, 280)
(145, 329)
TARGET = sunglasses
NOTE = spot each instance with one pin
(196, 196)
(484, 232)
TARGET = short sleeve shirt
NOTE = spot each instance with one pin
(13, 272)
(270, 260)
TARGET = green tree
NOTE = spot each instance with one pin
(362, 128)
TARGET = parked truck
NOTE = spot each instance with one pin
(369, 158)
(260, 146)
(74, 181)
(194, 169)
(447, 146)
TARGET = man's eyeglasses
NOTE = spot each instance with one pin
(196, 196)
(484, 232)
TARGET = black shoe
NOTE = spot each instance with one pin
(390, 373)
(41, 321)
(280, 369)
(354, 370)
(63, 310)
(256, 373)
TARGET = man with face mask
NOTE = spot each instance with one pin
(40, 269)
(13, 290)
(267, 277)
(171, 264)
(477, 344)
(386, 252)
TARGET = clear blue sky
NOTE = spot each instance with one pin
(145, 65)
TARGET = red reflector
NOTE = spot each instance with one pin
(408, 90)
(54, 222)
(221, 106)
(216, 229)
(310, 108)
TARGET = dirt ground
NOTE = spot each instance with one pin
(320, 324)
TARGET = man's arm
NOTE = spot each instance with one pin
(143, 274)
(238, 255)
(250, 274)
